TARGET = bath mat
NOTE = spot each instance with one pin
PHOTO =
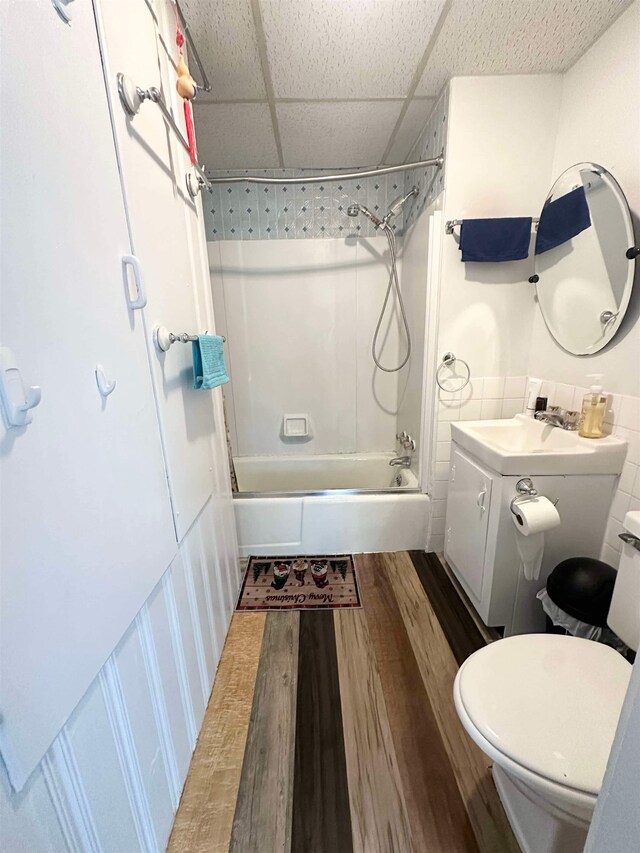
(299, 583)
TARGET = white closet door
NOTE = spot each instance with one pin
(154, 168)
(86, 519)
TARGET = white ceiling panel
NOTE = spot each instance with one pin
(235, 136)
(358, 61)
(225, 37)
(414, 120)
(346, 48)
(338, 134)
(515, 37)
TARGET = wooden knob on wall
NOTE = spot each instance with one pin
(186, 87)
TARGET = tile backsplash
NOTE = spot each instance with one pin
(237, 211)
(504, 396)
(297, 211)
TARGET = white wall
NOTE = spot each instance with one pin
(299, 317)
(499, 149)
(600, 122)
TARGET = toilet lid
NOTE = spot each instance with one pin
(550, 703)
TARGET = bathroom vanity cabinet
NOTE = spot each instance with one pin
(480, 539)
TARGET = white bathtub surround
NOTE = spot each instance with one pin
(299, 318)
(419, 284)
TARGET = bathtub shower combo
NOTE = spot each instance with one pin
(314, 503)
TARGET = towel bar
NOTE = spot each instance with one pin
(163, 338)
(450, 224)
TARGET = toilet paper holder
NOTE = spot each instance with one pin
(525, 489)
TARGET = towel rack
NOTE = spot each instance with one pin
(449, 360)
(132, 97)
(450, 224)
(163, 338)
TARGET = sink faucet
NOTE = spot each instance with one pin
(400, 462)
(555, 416)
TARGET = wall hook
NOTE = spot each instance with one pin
(104, 386)
(17, 399)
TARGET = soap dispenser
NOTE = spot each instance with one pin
(594, 406)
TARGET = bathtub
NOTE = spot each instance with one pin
(328, 504)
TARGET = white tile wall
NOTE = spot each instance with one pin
(504, 396)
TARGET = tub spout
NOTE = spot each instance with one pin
(400, 462)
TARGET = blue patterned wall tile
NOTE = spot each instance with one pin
(300, 211)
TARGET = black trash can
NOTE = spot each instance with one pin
(582, 587)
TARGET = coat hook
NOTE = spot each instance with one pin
(104, 386)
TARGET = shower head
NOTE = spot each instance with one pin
(394, 209)
(398, 203)
(355, 209)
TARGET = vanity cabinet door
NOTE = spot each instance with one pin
(467, 520)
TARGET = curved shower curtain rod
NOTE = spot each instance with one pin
(318, 179)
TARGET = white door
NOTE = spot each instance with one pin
(154, 166)
(467, 520)
(86, 521)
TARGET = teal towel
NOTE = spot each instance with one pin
(209, 369)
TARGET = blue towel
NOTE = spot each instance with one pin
(209, 369)
(562, 219)
(495, 239)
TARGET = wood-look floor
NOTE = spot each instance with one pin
(336, 732)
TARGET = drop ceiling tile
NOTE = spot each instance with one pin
(235, 136)
(346, 48)
(414, 120)
(226, 41)
(336, 134)
(515, 37)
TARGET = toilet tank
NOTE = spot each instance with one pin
(624, 613)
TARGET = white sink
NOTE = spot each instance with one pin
(522, 445)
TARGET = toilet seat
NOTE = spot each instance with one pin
(548, 704)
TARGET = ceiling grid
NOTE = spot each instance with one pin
(351, 83)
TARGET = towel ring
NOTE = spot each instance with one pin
(448, 360)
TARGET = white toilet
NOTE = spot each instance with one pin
(545, 708)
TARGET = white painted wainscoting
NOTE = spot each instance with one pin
(112, 779)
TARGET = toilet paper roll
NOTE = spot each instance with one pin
(531, 517)
(534, 515)
(531, 549)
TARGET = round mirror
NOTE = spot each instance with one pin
(583, 264)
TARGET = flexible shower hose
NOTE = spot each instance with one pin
(393, 283)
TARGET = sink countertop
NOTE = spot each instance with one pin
(523, 445)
